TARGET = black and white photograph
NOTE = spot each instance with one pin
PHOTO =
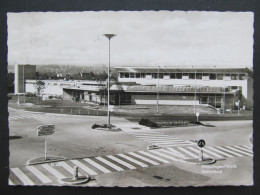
(130, 98)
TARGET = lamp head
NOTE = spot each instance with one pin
(109, 36)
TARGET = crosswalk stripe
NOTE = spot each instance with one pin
(143, 158)
(220, 152)
(240, 151)
(213, 153)
(39, 174)
(231, 152)
(248, 147)
(188, 152)
(167, 143)
(84, 167)
(22, 176)
(53, 171)
(109, 164)
(159, 139)
(153, 156)
(145, 133)
(175, 152)
(133, 160)
(10, 182)
(164, 155)
(157, 136)
(121, 162)
(198, 151)
(68, 167)
(98, 166)
(247, 150)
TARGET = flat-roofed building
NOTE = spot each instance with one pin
(217, 87)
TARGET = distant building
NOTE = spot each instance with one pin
(22, 73)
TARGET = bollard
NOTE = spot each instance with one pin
(201, 155)
(76, 173)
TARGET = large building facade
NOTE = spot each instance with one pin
(225, 87)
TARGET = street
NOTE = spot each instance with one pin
(122, 159)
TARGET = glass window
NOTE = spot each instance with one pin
(154, 75)
(212, 76)
(161, 75)
(138, 75)
(191, 75)
(132, 75)
(142, 75)
(172, 75)
(242, 76)
(126, 75)
(198, 76)
(234, 77)
(148, 75)
(122, 75)
(166, 75)
(179, 75)
(219, 76)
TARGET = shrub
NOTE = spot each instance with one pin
(148, 123)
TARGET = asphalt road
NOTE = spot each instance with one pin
(74, 138)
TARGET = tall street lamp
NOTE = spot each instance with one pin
(109, 36)
(158, 89)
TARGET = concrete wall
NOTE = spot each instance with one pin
(49, 89)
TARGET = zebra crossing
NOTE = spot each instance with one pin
(29, 115)
(50, 173)
(156, 138)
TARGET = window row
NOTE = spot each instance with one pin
(203, 76)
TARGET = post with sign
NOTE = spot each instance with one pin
(201, 144)
(44, 130)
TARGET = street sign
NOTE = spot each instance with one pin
(45, 132)
(46, 127)
(201, 143)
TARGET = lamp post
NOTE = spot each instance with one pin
(109, 36)
(195, 98)
(158, 89)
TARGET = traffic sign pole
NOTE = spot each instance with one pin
(45, 147)
(201, 155)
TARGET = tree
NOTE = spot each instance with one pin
(39, 86)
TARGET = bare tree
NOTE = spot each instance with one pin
(39, 86)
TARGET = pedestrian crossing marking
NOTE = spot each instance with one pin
(155, 157)
(121, 162)
(38, 174)
(47, 174)
(53, 171)
(98, 166)
(248, 150)
(242, 152)
(143, 158)
(188, 152)
(23, 177)
(231, 152)
(133, 160)
(109, 164)
(84, 167)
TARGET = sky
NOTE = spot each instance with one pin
(147, 38)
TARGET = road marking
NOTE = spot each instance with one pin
(84, 167)
(109, 164)
(198, 151)
(155, 157)
(39, 174)
(68, 167)
(121, 162)
(171, 145)
(213, 153)
(164, 155)
(53, 171)
(249, 147)
(143, 158)
(188, 152)
(10, 182)
(175, 152)
(219, 151)
(167, 143)
(22, 176)
(222, 148)
(248, 150)
(98, 166)
(133, 160)
(240, 151)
